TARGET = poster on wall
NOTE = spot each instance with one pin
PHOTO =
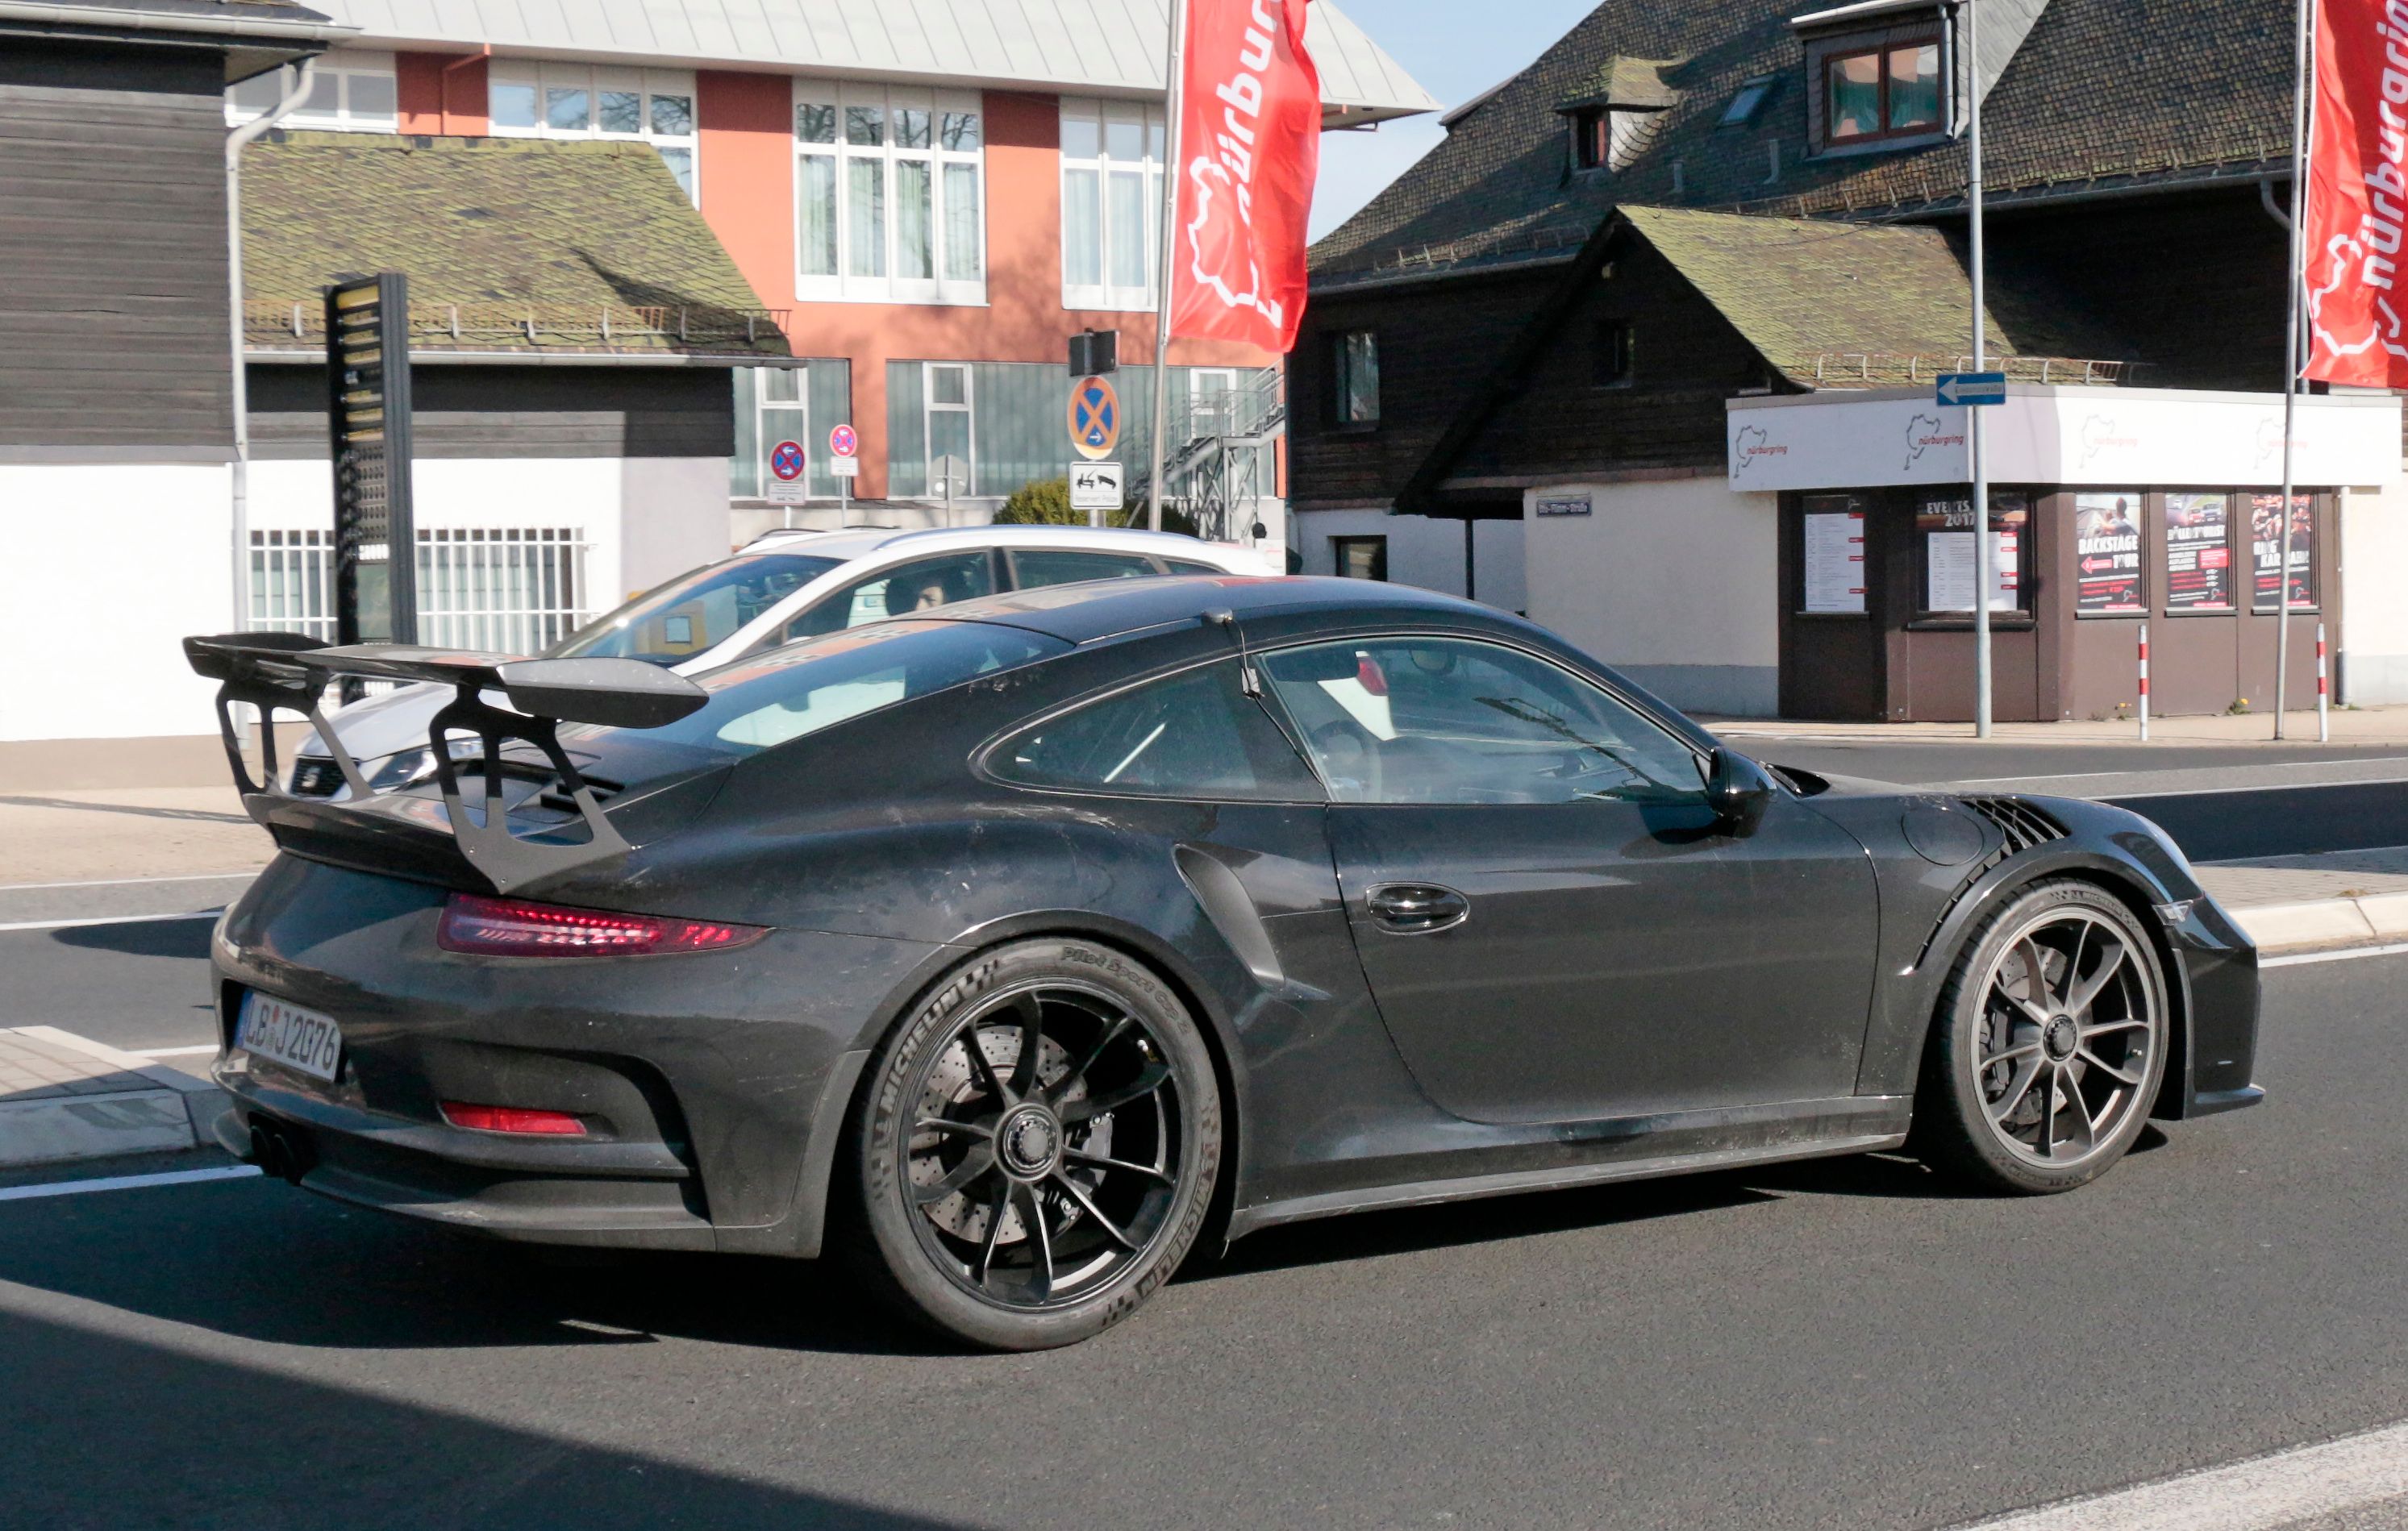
(1946, 525)
(2199, 552)
(2266, 547)
(1835, 555)
(2107, 554)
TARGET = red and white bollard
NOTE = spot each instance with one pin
(2324, 692)
(2144, 682)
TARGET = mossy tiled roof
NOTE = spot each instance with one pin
(2099, 92)
(509, 245)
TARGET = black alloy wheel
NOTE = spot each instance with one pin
(2050, 1044)
(1039, 1147)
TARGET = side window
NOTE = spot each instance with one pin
(1180, 565)
(1030, 569)
(1194, 734)
(923, 586)
(1426, 720)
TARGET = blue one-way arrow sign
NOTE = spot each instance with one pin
(1971, 388)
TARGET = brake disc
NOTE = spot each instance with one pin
(952, 1085)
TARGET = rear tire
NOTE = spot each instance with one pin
(1037, 1149)
(2048, 1047)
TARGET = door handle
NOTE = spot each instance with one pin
(1417, 908)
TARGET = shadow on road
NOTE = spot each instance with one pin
(218, 1443)
(149, 939)
(202, 816)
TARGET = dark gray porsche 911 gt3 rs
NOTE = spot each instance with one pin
(1014, 954)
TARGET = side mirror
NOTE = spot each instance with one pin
(1738, 791)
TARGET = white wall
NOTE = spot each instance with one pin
(2373, 643)
(673, 517)
(108, 567)
(1675, 583)
(1424, 550)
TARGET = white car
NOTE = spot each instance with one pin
(783, 586)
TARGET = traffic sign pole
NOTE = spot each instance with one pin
(1983, 575)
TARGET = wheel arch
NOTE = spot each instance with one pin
(817, 1195)
(2127, 885)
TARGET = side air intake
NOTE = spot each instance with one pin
(2024, 826)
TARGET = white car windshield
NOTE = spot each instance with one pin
(695, 611)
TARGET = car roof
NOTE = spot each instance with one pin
(862, 542)
(1102, 609)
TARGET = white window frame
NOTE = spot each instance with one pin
(929, 409)
(1104, 115)
(940, 287)
(765, 408)
(333, 76)
(544, 76)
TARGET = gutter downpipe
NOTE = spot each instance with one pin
(297, 87)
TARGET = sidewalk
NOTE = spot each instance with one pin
(2342, 899)
(2361, 726)
(63, 1096)
(96, 834)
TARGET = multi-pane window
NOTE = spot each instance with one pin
(1888, 90)
(890, 193)
(351, 89)
(1112, 155)
(951, 436)
(1355, 377)
(578, 101)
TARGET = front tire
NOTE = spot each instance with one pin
(2049, 1045)
(1038, 1149)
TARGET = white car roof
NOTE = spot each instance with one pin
(863, 542)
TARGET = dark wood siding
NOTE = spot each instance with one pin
(113, 322)
(1438, 341)
(516, 411)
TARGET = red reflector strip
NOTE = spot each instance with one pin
(512, 1119)
(520, 927)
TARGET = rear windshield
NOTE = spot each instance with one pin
(697, 610)
(787, 694)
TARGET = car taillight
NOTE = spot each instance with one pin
(520, 927)
(512, 1119)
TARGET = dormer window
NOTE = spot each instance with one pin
(1592, 139)
(1889, 90)
(1617, 112)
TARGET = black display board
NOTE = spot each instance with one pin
(367, 420)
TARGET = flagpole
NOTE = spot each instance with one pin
(1976, 443)
(2295, 278)
(1173, 69)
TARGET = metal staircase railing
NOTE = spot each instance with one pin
(1224, 461)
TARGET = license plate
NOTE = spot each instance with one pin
(289, 1034)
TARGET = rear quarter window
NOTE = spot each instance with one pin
(1192, 734)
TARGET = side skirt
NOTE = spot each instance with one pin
(1871, 1125)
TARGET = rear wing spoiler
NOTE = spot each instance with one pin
(289, 672)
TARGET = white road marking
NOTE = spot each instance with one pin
(2170, 769)
(2346, 955)
(172, 1051)
(110, 920)
(128, 881)
(2276, 1489)
(128, 1183)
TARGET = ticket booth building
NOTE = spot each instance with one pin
(2109, 507)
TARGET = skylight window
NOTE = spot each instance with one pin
(1749, 100)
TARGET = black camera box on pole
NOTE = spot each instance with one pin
(368, 419)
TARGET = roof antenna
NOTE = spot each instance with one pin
(1248, 681)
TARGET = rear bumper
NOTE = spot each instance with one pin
(713, 1086)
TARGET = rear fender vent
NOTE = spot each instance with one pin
(2024, 826)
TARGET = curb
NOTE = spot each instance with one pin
(161, 1108)
(2371, 919)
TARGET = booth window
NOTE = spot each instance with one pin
(2266, 552)
(1355, 377)
(890, 189)
(1359, 557)
(1943, 526)
(2198, 570)
(2107, 554)
(1611, 351)
(1878, 88)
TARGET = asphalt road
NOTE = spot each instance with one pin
(1840, 1344)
